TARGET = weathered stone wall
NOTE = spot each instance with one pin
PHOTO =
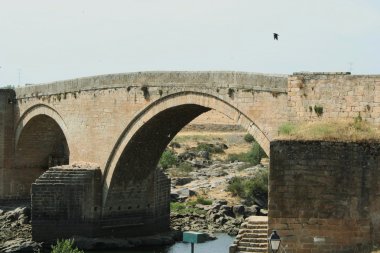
(41, 145)
(90, 107)
(324, 196)
(66, 201)
(138, 207)
(104, 111)
(162, 199)
(7, 118)
(341, 95)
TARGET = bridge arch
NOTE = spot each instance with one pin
(158, 123)
(36, 110)
(40, 142)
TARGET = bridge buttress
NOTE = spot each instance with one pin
(7, 119)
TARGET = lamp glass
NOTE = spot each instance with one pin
(274, 240)
(275, 244)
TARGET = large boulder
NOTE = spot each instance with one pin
(238, 210)
(179, 181)
(181, 194)
(20, 245)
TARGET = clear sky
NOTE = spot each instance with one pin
(50, 40)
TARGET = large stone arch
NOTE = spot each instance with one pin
(189, 103)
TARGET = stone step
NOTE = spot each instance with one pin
(63, 178)
(251, 249)
(254, 240)
(256, 226)
(48, 175)
(265, 251)
(252, 244)
(60, 181)
(251, 234)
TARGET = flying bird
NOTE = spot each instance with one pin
(275, 36)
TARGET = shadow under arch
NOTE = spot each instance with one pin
(40, 143)
(141, 144)
(40, 109)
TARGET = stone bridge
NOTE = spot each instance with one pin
(122, 123)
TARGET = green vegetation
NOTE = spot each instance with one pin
(145, 91)
(211, 148)
(249, 188)
(231, 92)
(253, 156)
(168, 159)
(343, 130)
(203, 201)
(183, 170)
(65, 246)
(287, 128)
(318, 110)
(358, 125)
(195, 137)
(185, 208)
(249, 138)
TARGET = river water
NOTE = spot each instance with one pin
(220, 245)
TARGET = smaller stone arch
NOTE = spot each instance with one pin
(41, 109)
(176, 100)
(40, 142)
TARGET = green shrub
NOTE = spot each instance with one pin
(318, 110)
(358, 122)
(185, 167)
(236, 187)
(250, 188)
(231, 92)
(185, 208)
(258, 185)
(253, 156)
(211, 148)
(145, 91)
(177, 207)
(65, 246)
(286, 128)
(203, 201)
(249, 138)
(168, 159)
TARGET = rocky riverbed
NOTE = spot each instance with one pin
(205, 178)
(225, 213)
(209, 181)
(15, 229)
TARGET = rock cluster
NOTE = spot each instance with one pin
(219, 217)
(207, 176)
(116, 243)
(15, 231)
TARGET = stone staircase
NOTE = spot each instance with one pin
(252, 237)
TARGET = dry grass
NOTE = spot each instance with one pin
(332, 130)
(234, 141)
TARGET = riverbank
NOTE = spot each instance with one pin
(205, 177)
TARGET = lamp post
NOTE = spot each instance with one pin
(274, 241)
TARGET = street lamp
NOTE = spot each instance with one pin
(274, 241)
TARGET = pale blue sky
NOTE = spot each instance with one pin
(53, 40)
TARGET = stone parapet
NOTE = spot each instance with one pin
(162, 79)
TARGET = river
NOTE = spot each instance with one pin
(220, 245)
